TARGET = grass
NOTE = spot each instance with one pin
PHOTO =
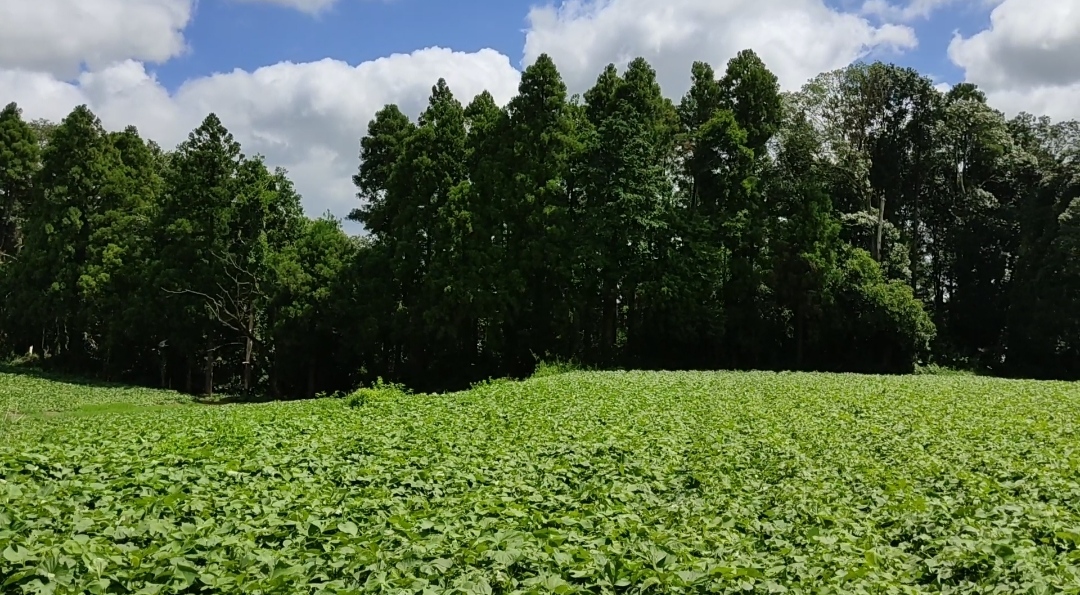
(578, 482)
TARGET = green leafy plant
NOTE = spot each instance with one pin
(592, 482)
(553, 368)
(940, 370)
(378, 392)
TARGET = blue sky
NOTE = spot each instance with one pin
(227, 35)
(935, 33)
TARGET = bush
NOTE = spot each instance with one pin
(940, 370)
(379, 392)
(544, 368)
(883, 326)
(489, 383)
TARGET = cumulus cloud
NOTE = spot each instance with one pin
(1059, 102)
(306, 117)
(797, 39)
(1026, 44)
(1026, 58)
(61, 36)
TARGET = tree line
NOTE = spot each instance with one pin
(867, 222)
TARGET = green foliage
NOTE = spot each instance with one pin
(939, 370)
(22, 394)
(489, 382)
(882, 325)
(579, 483)
(19, 154)
(379, 392)
(752, 93)
(554, 368)
(305, 308)
(866, 223)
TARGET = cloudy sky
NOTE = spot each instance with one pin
(298, 80)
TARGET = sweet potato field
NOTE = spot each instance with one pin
(609, 482)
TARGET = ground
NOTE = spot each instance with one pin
(682, 482)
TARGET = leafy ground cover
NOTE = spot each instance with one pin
(23, 394)
(570, 483)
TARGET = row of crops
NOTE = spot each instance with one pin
(615, 482)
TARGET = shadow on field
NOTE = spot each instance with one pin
(40, 373)
(238, 399)
(43, 374)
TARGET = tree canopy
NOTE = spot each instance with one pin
(867, 222)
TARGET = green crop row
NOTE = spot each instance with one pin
(571, 483)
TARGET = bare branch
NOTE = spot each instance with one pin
(232, 309)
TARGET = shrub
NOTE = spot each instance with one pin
(379, 392)
(554, 368)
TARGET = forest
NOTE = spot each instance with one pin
(868, 222)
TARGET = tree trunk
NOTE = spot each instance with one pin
(473, 339)
(387, 355)
(311, 377)
(939, 298)
(275, 389)
(162, 367)
(915, 231)
(799, 334)
(208, 383)
(610, 323)
(880, 227)
(632, 322)
(249, 348)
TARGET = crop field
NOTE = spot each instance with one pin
(606, 482)
(28, 396)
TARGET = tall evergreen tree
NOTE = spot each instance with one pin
(19, 159)
(752, 93)
(79, 190)
(541, 216)
(120, 307)
(752, 97)
(805, 241)
(193, 220)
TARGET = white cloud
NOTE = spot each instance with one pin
(60, 36)
(308, 6)
(1026, 59)
(797, 39)
(306, 117)
(1028, 43)
(1059, 102)
(38, 93)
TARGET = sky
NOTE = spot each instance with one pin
(298, 80)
